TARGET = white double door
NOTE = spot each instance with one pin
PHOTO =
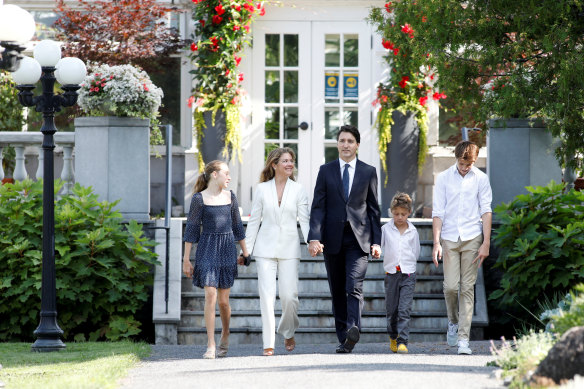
(309, 78)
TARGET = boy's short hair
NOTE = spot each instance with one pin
(466, 150)
(402, 200)
(351, 130)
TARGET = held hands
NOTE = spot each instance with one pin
(437, 253)
(376, 251)
(315, 247)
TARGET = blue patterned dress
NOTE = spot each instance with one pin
(216, 256)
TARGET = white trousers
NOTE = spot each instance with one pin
(287, 271)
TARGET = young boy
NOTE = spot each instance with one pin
(400, 244)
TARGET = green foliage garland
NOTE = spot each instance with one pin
(103, 268)
(541, 238)
(411, 81)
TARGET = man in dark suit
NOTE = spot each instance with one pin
(345, 226)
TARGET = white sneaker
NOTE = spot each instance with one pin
(452, 334)
(463, 347)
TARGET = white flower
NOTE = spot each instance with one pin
(121, 90)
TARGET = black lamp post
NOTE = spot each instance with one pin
(70, 72)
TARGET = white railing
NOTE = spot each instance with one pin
(25, 141)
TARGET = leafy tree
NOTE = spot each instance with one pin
(118, 32)
(519, 58)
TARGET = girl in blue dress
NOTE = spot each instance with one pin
(216, 209)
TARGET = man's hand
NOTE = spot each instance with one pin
(483, 253)
(188, 268)
(315, 247)
(376, 251)
(436, 253)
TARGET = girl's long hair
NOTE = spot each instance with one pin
(203, 179)
(274, 157)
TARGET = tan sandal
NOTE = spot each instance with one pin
(290, 344)
(210, 353)
(222, 349)
(268, 352)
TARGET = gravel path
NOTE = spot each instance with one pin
(428, 365)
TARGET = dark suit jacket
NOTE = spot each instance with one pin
(330, 211)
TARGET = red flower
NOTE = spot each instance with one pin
(407, 29)
(384, 98)
(194, 47)
(236, 28)
(237, 7)
(395, 50)
(424, 19)
(438, 96)
(423, 100)
(190, 101)
(219, 9)
(387, 44)
(197, 1)
(202, 23)
(403, 82)
(249, 7)
(262, 11)
(145, 87)
(246, 27)
(237, 60)
(240, 77)
(227, 72)
(432, 76)
(388, 7)
(217, 19)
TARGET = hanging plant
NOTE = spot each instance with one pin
(222, 31)
(411, 82)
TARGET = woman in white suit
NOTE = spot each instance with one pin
(272, 238)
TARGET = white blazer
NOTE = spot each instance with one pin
(272, 230)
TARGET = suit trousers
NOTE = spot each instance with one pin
(287, 272)
(399, 296)
(346, 272)
(460, 275)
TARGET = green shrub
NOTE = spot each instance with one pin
(568, 314)
(541, 242)
(103, 266)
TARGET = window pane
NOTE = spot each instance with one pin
(272, 49)
(269, 147)
(330, 153)
(272, 126)
(351, 117)
(272, 86)
(293, 146)
(332, 123)
(170, 84)
(332, 50)
(351, 50)
(291, 122)
(290, 50)
(291, 86)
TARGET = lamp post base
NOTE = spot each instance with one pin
(43, 345)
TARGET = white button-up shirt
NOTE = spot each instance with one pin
(352, 165)
(460, 202)
(399, 249)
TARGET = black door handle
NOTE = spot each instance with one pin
(303, 126)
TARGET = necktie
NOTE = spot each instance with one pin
(346, 181)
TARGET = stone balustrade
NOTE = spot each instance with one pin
(25, 142)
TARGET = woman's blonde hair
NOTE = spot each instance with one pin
(401, 200)
(274, 157)
(203, 179)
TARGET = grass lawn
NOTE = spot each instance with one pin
(80, 365)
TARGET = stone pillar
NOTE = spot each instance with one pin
(166, 324)
(112, 154)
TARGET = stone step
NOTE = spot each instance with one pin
(431, 303)
(315, 319)
(314, 283)
(189, 335)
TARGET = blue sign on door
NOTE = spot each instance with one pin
(331, 85)
(351, 86)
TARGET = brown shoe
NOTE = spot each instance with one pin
(290, 344)
(268, 352)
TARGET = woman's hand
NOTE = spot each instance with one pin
(188, 268)
(240, 260)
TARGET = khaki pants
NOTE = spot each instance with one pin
(460, 275)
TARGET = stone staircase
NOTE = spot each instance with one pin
(428, 322)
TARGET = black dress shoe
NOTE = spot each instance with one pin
(341, 349)
(352, 338)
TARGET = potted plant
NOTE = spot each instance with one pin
(112, 151)
(403, 102)
(222, 29)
